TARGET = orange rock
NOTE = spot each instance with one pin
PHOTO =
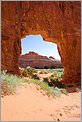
(57, 22)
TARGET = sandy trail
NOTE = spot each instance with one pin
(45, 75)
(31, 103)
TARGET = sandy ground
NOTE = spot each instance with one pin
(31, 103)
(45, 75)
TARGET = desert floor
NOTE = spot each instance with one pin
(32, 103)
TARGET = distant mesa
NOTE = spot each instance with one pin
(35, 60)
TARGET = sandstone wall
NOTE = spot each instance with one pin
(57, 22)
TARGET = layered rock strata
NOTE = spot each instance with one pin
(38, 61)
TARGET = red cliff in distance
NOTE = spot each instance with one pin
(38, 61)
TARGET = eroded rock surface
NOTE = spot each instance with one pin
(57, 22)
(38, 61)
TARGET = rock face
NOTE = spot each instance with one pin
(57, 22)
(38, 61)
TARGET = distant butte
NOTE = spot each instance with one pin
(38, 61)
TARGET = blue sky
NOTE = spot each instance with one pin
(35, 43)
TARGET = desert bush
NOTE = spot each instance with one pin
(36, 67)
(46, 80)
(9, 83)
(24, 73)
(53, 81)
(57, 91)
(29, 71)
(56, 83)
(46, 67)
(58, 73)
(52, 67)
(35, 76)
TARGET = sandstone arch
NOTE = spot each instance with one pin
(57, 22)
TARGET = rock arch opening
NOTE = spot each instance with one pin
(38, 53)
(57, 22)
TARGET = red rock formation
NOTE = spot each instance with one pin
(52, 58)
(57, 22)
(34, 60)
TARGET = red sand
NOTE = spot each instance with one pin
(31, 103)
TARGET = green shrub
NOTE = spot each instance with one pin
(36, 67)
(58, 73)
(56, 83)
(24, 73)
(46, 80)
(35, 76)
(29, 71)
(53, 81)
(46, 67)
(57, 91)
(10, 82)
